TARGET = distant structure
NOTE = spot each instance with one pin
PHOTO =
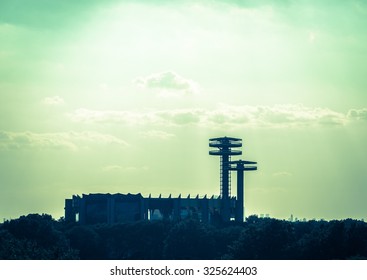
(224, 147)
(119, 208)
(240, 167)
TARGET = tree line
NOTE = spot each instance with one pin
(41, 237)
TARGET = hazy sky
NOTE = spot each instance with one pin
(122, 96)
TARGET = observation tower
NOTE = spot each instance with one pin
(240, 167)
(224, 148)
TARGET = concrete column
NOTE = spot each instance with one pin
(240, 195)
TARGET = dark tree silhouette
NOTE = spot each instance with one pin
(41, 237)
(188, 240)
(140, 240)
(86, 241)
(34, 237)
(263, 239)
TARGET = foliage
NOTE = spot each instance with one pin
(34, 237)
(188, 240)
(263, 239)
(41, 237)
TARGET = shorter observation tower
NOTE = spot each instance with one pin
(240, 167)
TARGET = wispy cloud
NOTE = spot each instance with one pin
(62, 140)
(119, 168)
(357, 114)
(157, 134)
(109, 116)
(132, 118)
(53, 101)
(169, 83)
(282, 174)
(225, 116)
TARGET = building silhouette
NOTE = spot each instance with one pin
(120, 208)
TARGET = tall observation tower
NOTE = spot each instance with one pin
(224, 147)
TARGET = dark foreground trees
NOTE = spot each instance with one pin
(34, 237)
(40, 237)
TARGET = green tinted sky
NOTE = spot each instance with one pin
(122, 96)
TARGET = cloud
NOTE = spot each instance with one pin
(181, 116)
(277, 116)
(108, 116)
(62, 140)
(112, 168)
(119, 168)
(157, 134)
(295, 115)
(225, 116)
(169, 83)
(357, 114)
(282, 174)
(176, 117)
(53, 101)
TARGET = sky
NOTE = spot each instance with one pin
(122, 97)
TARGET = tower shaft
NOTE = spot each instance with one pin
(225, 183)
(240, 196)
(224, 147)
(240, 167)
